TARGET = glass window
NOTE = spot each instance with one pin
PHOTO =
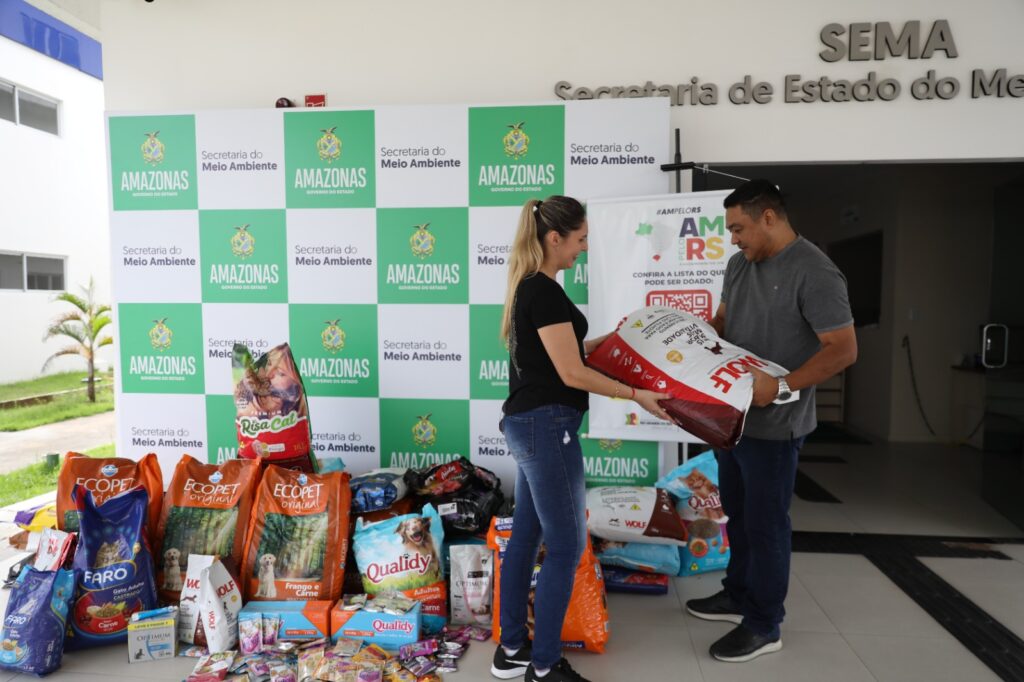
(45, 273)
(7, 101)
(12, 274)
(37, 112)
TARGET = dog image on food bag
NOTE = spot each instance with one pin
(206, 511)
(415, 534)
(297, 540)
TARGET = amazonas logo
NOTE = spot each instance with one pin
(329, 145)
(332, 337)
(609, 445)
(160, 335)
(516, 141)
(422, 241)
(243, 244)
(153, 149)
(424, 433)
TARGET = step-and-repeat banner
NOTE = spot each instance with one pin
(375, 241)
(668, 250)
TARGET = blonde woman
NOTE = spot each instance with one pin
(548, 394)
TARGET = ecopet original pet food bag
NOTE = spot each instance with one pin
(634, 514)
(586, 620)
(206, 511)
(298, 536)
(695, 486)
(105, 477)
(670, 351)
(113, 569)
(404, 553)
(35, 621)
(272, 415)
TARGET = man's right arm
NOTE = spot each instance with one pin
(718, 321)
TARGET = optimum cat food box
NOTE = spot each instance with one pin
(153, 635)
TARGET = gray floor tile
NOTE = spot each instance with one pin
(851, 565)
(918, 659)
(805, 656)
(996, 586)
(1014, 551)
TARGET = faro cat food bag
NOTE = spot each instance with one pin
(298, 536)
(206, 511)
(272, 416)
(104, 478)
(670, 351)
(113, 569)
(34, 624)
(695, 486)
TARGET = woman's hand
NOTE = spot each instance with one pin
(590, 345)
(649, 401)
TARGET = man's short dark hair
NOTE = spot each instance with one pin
(757, 196)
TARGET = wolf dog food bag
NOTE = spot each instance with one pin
(190, 621)
(695, 486)
(670, 351)
(35, 621)
(404, 554)
(634, 514)
(105, 477)
(298, 536)
(272, 415)
(586, 620)
(206, 510)
(113, 568)
(220, 601)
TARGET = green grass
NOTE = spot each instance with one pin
(51, 383)
(59, 409)
(35, 479)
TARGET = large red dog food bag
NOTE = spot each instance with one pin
(670, 351)
(272, 416)
(297, 541)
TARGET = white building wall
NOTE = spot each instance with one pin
(53, 201)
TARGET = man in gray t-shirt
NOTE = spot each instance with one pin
(783, 300)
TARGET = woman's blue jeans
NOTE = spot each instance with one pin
(551, 504)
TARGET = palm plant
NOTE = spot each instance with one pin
(83, 325)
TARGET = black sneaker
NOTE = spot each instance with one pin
(718, 606)
(506, 667)
(562, 672)
(742, 645)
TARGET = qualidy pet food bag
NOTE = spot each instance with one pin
(404, 554)
(35, 621)
(586, 620)
(670, 351)
(104, 478)
(206, 511)
(695, 486)
(634, 514)
(113, 569)
(272, 416)
(298, 536)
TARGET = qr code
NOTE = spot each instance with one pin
(697, 302)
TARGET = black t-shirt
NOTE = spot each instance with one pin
(533, 380)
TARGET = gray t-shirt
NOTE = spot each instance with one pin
(775, 309)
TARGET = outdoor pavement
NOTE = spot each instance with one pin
(20, 448)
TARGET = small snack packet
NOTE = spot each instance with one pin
(401, 675)
(354, 602)
(372, 654)
(194, 651)
(281, 672)
(447, 666)
(420, 665)
(212, 667)
(424, 647)
(310, 659)
(347, 647)
(250, 633)
(271, 624)
(478, 633)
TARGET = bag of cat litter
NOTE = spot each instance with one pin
(404, 554)
(298, 536)
(206, 511)
(634, 514)
(695, 486)
(638, 556)
(35, 621)
(586, 619)
(113, 568)
(272, 414)
(669, 351)
(105, 477)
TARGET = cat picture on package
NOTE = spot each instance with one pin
(706, 500)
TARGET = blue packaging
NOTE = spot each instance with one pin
(113, 569)
(33, 630)
(695, 486)
(638, 556)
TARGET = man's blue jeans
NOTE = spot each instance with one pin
(755, 481)
(550, 503)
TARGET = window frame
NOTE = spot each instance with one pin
(58, 106)
(25, 255)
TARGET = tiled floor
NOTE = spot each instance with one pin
(845, 619)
